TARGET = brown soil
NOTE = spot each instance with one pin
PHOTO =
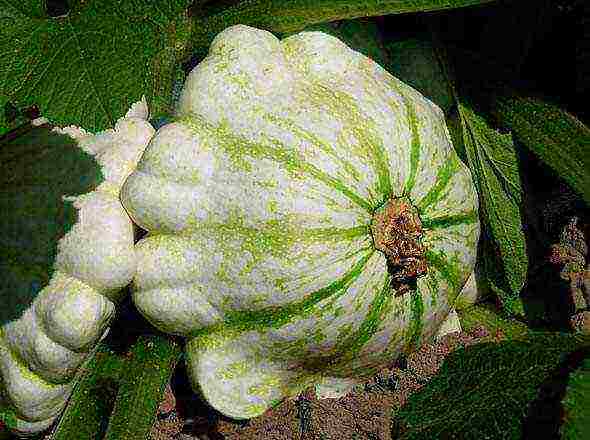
(362, 414)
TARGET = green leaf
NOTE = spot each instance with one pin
(285, 16)
(7, 416)
(153, 359)
(37, 168)
(494, 165)
(494, 276)
(89, 66)
(576, 404)
(559, 139)
(484, 391)
(92, 399)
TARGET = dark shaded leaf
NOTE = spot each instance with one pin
(37, 168)
(415, 62)
(483, 391)
(583, 54)
(577, 404)
(558, 138)
(526, 20)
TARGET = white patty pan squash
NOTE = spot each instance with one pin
(308, 218)
(60, 284)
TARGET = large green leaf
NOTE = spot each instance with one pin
(559, 139)
(484, 391)
(89, 66)
(494, 164)
(37, 168)
(577, 404)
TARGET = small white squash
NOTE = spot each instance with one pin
(59, 292)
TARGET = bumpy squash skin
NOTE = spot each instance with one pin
(258, 200)
(41, 350)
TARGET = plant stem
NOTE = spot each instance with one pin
(153, 359)
(91, 401)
